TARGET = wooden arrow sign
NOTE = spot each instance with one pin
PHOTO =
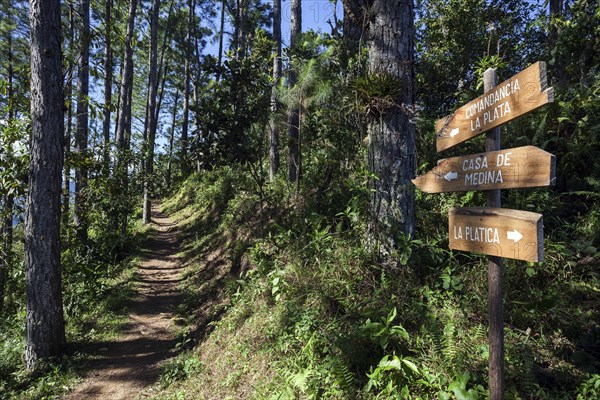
(513, 98)
(497, 232)
(519, 167)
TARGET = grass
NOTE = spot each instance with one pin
(291, 314)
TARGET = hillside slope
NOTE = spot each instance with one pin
(292, 305)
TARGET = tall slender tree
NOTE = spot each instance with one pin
(124, 112)
(389, 37)
(171, 140)
(163, 68)
(221, 34)
(240, 35)
(45, 328)
(294, 166)
(188, 46)
(108, 81)
(81, 134)
(275, 106)
(150, 135)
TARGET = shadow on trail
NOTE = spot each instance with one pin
(213, 253)
(121, 368)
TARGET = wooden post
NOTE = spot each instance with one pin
(495, 311)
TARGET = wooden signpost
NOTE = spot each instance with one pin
(498, 232)
(513, 98)
(520, 167)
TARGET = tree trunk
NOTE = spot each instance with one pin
(196, 100)
(239, 43)
(124, 121)
(275, 132)
(221, 33)
(171, 140)
(162, 68)
(151, 114)
(108, 69)
(161, 92)
(391, 153)
(294, 167)
(183, 160)
(80, 208)
(45, 329)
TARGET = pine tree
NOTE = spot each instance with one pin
(392, 160)
(45, 328)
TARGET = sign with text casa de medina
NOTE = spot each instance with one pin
(494, 231)
(520, 167)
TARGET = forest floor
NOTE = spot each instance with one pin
(123, 368)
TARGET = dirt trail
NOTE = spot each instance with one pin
(131, 363)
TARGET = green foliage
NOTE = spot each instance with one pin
(377, 93)
(383, 332)
(590, 388)
(459, 387)
(180, 368)
(235, 105)
(14, 159)
(392, 376)
(486, 62)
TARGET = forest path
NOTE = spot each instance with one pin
(133, 361)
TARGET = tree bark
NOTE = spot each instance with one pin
(151, 114)
(108, 77)
(275, 106)
(80, 208)
(294, 167)
(389, 35)
(44, 313)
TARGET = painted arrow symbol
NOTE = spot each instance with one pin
(454, 132)
(515, 235)
(450, 176)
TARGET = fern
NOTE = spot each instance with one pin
(449, 349)
(344, 377)
(527, 379)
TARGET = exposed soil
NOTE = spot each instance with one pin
(132, 362)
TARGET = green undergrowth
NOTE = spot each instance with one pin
(295, 307)
(98, 285)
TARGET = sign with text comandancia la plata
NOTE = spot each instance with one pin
(520, 167)
(497, 232)
(513, 98)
